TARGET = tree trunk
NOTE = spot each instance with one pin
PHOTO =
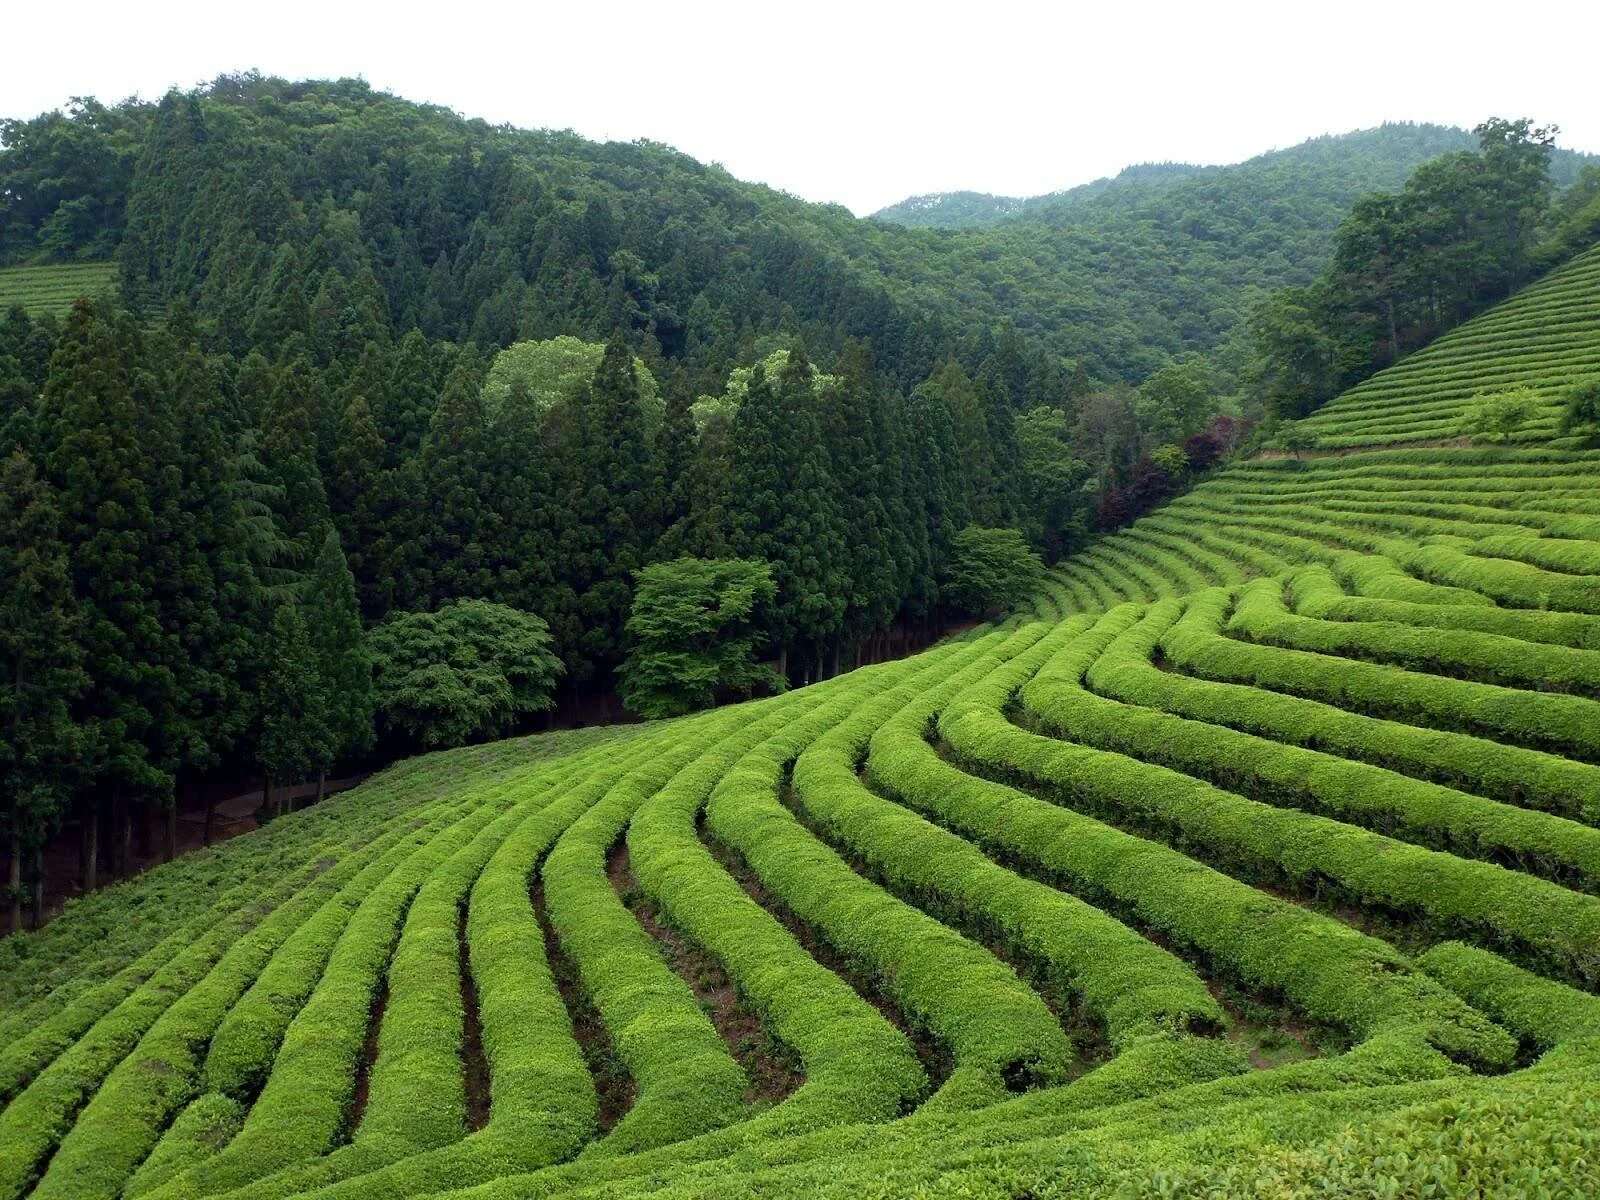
(266, 799)
(38, 885)
(209, 795)
(141, 828)
(15, 881)
(322, 785)
(91, 847)
(783, 663)
(124, 845)
(169, 842)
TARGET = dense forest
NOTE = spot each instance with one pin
(393, 409)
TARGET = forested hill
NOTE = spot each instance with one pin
(1167, 257)
(1383, 157)
(493, 234)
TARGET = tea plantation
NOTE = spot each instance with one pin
(52, 289)
(1260, 858)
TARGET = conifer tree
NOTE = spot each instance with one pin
(289, 451)
(610, 506)
(456, 472)
(92, 415)
(339, 647)
(40, 662)
(784, 506)
(294, 735)
(856, 456)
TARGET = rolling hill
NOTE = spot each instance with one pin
(1261, 857)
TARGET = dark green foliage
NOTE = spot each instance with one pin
(691, 634)
(294, 738)
(339, 648)
(989, 569)
(94, 424)
(39, 660)
(785, 506)
(466, 671)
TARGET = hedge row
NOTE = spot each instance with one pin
(996, 1028)
(1542, 1011)
(1316, 593)
(123, 1121)
(34, 1120)
(1513, 583)
(206, 1125)
(1287, 774)
(1127, 984)
(51, 1024)
(686, 1082)
(302, 1110)
(857, 1066)
(1549, 721)
(1326, 970)
(1513, 774)
(1262, 616)
(1538, 918)
(542, 1096)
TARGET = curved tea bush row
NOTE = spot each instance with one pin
(1427, 813)
(301, 1111)
(1510, 773)
(686, 1081)
(857, 1066)
(30, 1123)
(1128, 984)
(1559, 927)
(1544, 1012)
(1326, 970)
(1315, 593)
(1075, 944)
(204, 1127)
(998, 1030)
(119, 1126)
(542, 1096)
(1536, 719)
(1262, 616)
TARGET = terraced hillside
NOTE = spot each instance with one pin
(1261, 858)
(52, 289)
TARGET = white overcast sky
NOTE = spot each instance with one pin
(865, 103)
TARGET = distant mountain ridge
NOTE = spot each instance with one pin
(980, 210)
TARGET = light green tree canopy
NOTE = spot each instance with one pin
(989, 569)
(708, 409)
(543, 374)
(692, 634)
(463, 672)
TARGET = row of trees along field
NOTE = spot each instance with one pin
(394, 411)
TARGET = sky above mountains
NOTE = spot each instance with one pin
(865, 103)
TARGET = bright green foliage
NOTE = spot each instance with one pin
(1496, 417)
(989, 569)
(52, 289)
(1256, 853)
(543, 375)
(1582, 411)
(468, 670)
(692, 635)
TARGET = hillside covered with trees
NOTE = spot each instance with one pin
(395, 428)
